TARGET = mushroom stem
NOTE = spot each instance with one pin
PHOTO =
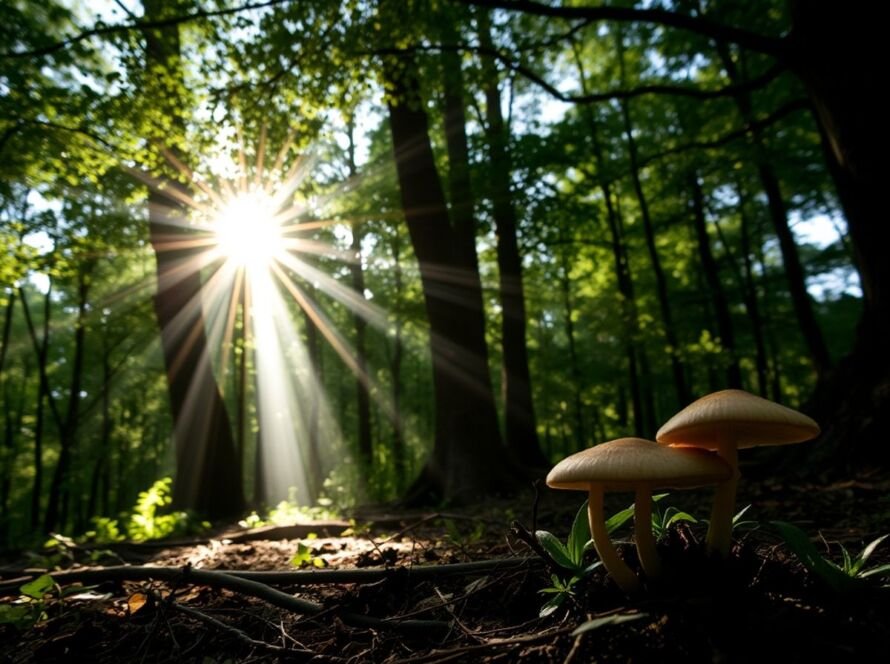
(720, 528)
(617, 568)
(643, 534)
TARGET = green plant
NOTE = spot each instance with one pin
(463, 539)
(850, 575)
(304, 555)
(662, 520)
(30, 607)
(570, 555)
(148, 521)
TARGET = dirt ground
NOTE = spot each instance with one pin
(762, 605)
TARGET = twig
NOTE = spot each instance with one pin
(228, 581)
(453, 653)
(241, 635)
(293, 578)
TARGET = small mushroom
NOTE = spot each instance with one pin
(633, 464)
(725, 422)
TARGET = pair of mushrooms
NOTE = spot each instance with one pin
(698, 447)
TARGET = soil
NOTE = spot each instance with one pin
(761, 605)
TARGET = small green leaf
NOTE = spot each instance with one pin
(618, 519)
(882, 570)
(740, 514)
(616, 619)
(39, 587)
(870, 549)
(552, 605)
(556, 549)
(579, 536)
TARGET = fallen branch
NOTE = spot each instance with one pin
(228, 581)
(91, 575)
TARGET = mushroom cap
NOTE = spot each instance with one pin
(627, 464)
(750, 421)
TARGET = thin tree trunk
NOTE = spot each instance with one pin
(622, 275)
(574, 367)
(208, 475)
(667, 319)
(794, 271)
(752, 304)
(41, 349)
(395, 367)
(363, 402)
(521, 432)
(712, 276)
(467, 456)
(59, 490)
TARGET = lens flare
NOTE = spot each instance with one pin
(247, 231)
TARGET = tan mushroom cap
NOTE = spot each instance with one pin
(627, 464)
(751, 421)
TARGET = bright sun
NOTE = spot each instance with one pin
(247, 231)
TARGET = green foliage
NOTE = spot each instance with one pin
(304, 555)
(850, 575)
(30, 607)
(662, 520)
(148, 520)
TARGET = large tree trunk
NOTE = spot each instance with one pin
(845, 84)
(208, 476)
(519, 413)
(467, 456)
(752, 303)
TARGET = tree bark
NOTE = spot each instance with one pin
(208, 476)
(467, 457)
(519, 413)
(845, 84)
(752, 304)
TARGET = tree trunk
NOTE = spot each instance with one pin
(519, 414)
(208, 476)
(712, 276)
(574, 367)
(395, 367)
(845, 84)
(752, 304)
(44, 394)
(778, 214)
(363, 403)
(59, 489)
(667, 319)
(467, 457)
(622, 276)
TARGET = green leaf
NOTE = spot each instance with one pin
(39, 587)
(616, 619)
(870, 549)
(618, 519)
(556, 549)
(740, 514)
(552, 604)
(882, 570)
(17, 615)
(680, 516)
(799, 542)
(579, 536)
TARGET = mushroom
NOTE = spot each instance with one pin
(633, 464)
(726, 421)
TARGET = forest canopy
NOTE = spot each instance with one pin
(344, 251)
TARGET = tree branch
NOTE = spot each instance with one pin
(102, 29)
(775, 46)
(780, 113)
(597, 97)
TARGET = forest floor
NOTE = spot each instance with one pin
(762, 605)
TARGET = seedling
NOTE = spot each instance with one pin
(851, 575)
